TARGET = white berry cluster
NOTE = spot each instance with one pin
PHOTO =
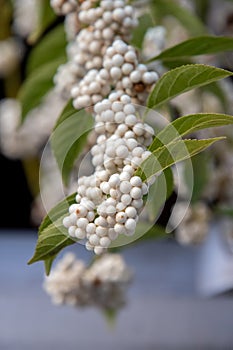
(103, 284)
(110, 200)
(26, 140)
(25, 17)
(192, 223)
(99, 24)
(104, 71)
(120, 69)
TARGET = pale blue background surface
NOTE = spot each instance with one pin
(164, 310)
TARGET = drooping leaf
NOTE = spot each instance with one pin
(182, 79)
(53, 235)
(51, 242)
(69, 138)
(49, 49)
(46, 16)
(48, 264)
(188, 19)
(37, 85)
(55, 213)
(189, 124)
(165, 156)
(202, 45)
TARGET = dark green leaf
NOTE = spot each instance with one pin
(177, 151)
(182, 79)
(202, 45)
(189, 124)
(48, 264)
(144, 231)
(155, 232)
(59, 210)
(225, 211)
(69, 138)
(37, 85)
(159, 192)
(51, 242)
(49, 49)
(202, 7)
(172, 64)
(52, 234)
(196, 175)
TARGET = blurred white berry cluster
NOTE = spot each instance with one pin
(23, 141)
(103, 284)
(192, 222)
(19, 19)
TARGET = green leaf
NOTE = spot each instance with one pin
(69, 138)
(48, 264)
(110, 316)
(155, 232)
(52, 234)
(202, 8)
(46, 16)
(145, 22)
(196, 177)
(225, 211)
(202, 45)
(177, 151)
(160, 191)
(188, 19)
(144, 231)
(37, 85)
(51, 242)
(172, 64)
(5, 19)
(55, 213)
(51, 47)
(189, 124)
(182, 79)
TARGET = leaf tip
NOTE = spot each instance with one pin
(31, 261)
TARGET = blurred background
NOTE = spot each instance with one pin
(182, 293)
